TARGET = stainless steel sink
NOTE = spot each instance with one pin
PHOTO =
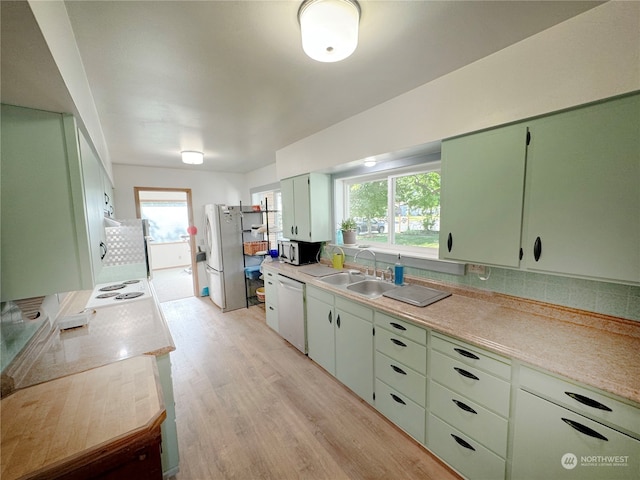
(370, 288)
(343, 278)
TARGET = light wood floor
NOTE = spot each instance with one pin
(250, 406)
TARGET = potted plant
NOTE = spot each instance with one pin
(348, 227)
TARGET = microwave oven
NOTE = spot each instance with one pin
(298, 253)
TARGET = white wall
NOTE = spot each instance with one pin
(169, 255)
(206, 187)
(262, 176)
(589, 57)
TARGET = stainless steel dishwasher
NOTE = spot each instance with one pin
(291, 316)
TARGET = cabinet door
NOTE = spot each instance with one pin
(320, 336)
(354, 353)
(482, 195)
(288, 208)
(94, 202)
(302, 229)
(44, 242)
(552, 442)
(583, 194)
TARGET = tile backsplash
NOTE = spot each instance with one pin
(594, 296)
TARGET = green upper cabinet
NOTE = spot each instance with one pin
(306, 207)
(582, 206)
(567, 203)
(481, 200)
(46, 246)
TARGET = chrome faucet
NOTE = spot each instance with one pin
(373, 254)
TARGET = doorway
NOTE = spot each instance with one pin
(169, 212)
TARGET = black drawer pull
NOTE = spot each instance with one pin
(397, 325)
(449, 242)
(398, 370)
(463, 406)
(462, 443)
(589, 402)
(466, 353)
(464, 373)
(397, 399)
(398, 342)
(584, 429)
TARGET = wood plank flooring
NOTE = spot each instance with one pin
(251, 406)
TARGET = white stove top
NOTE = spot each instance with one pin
(116, 293)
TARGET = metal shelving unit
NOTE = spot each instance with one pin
(251, 217)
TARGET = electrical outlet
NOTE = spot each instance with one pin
(479, 269)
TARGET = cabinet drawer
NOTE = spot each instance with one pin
(405, 351)
(462, 453)
(272, 315)
(401, 378)
(401, 328)
(320, 294)
(582, 400)
(469, 417)
(270, 286)
(476, 385)
(354, 308)
(402, 411)
(473, 356)
(568, 445)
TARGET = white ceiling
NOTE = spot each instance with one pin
(230, 77)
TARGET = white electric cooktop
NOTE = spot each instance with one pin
(116, 293)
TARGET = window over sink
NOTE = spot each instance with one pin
(394, 209)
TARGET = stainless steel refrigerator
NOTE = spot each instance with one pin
(225, 266)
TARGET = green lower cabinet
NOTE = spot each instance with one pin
(170, 453)
(552, 442)
(462, 453)
(320, 335)
(401, 410)
(354, 348)
(469, 417)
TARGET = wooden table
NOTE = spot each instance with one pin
(102, 423)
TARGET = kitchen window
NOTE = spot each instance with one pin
(399, 210)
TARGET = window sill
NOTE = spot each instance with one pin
(412, 260)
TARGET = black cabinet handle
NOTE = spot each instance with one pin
(398, 370)
(584, 429)
(449, 241)
(397, 399)
(270, 308)
(106, 199)
(521, 254)
(103, 250)
(464, 373)
(330, 316)
(537, 249)
(296, 229)
(462, 443)
(466, 353)
(397, 325)
(589, 402)
(398, 342)
(291, 229)
(463, 406)
(338, 321)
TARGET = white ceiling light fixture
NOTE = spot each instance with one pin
(329, 28)
(369, 162)
(192, 157)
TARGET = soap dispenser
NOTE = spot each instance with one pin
(398, 272)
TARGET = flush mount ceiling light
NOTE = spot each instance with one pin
(369, 162)
(329, 28)
(192, 158)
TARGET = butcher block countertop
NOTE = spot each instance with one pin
(113, 333)
(53, 428)
(590, 348)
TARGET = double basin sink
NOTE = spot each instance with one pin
(356, 282)
(370, 287)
